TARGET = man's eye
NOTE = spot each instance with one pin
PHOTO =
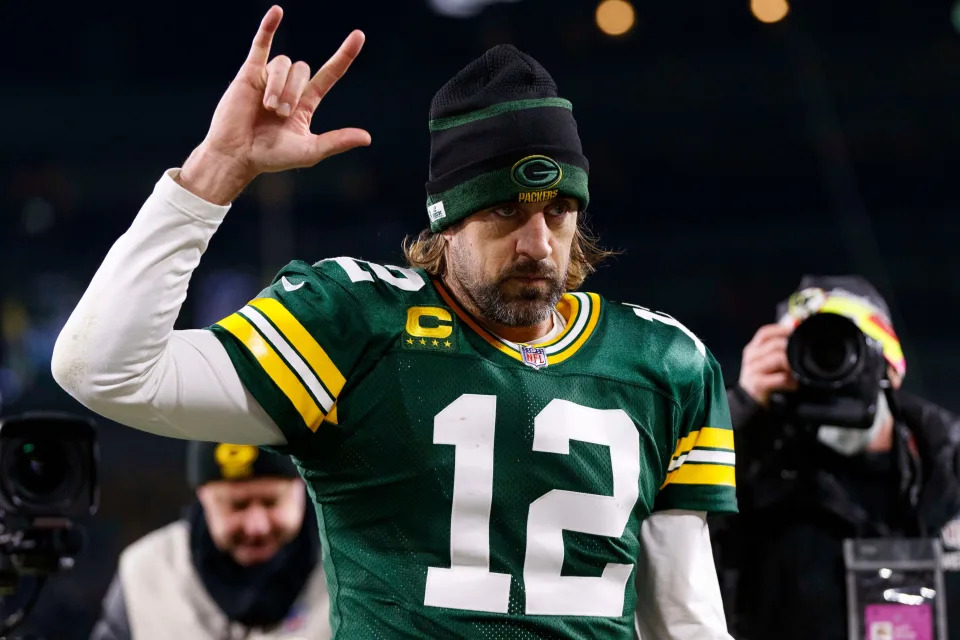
(558, 209)
(505, 212)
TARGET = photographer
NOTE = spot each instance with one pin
(244, 563)
(828, 448)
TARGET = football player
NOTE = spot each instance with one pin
(490, 452)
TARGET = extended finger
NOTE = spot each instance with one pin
(297, 80)
(260, 49)
(332, 70)
(333, 142)
(277, 72)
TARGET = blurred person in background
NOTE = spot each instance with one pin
(491, 453)
(859, 459)
(243, 563)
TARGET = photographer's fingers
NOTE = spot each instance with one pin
(772, 362)
(781, 381)
(276, 73)
(759, 386)
(771, 345)
(770, 331)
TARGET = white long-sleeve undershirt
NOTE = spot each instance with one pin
(118, 353)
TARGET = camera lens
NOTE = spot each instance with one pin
(48, 466)
(40, 468)
(40, 475)
(826, 350)
(829, 357)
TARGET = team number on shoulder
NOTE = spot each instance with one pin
(659, 316)
(363, 271)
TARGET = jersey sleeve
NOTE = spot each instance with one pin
(295, 345)
(701, 473)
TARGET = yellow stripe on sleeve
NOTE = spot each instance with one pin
(685, 444)
(713, 438)
(276, 368)
(715, 474)
(332, 416)
(301, 340)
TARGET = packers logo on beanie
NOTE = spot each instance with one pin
(212, 461)
(500, 133)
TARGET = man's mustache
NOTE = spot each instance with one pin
(531, 268)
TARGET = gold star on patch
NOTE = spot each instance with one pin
(409, 340)
(422, 341)
(446, 343)
(436, 344)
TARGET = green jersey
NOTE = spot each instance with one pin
(467, 486)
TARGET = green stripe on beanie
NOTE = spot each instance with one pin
(439, 124)
(498, 186)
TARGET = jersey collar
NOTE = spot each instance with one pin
(581, 311)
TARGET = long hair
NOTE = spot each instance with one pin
(426, 250)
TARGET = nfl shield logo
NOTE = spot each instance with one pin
(533, 356)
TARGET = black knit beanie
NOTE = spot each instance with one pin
(499, 133)
(212, 461)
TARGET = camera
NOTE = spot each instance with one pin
(840, 372)
(48, 478)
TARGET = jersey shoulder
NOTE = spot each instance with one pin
(316, 327)
(657, 346)
(376, 292)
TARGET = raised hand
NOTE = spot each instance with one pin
(764, 368)
(262, 123)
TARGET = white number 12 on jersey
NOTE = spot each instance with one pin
(469, 423)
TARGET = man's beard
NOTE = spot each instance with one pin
(527, 305)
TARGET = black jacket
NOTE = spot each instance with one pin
(781, 558)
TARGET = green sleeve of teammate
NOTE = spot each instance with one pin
(701, 474)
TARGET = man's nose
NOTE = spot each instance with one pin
(256, 521)
(533, 238)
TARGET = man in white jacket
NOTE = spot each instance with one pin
(490, 452)
(244, 562)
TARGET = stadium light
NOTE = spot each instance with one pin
(769, 11)
(615, 17)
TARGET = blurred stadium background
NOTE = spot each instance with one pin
(734, 146)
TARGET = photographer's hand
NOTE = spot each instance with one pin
(764, 368)
(262, 123)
